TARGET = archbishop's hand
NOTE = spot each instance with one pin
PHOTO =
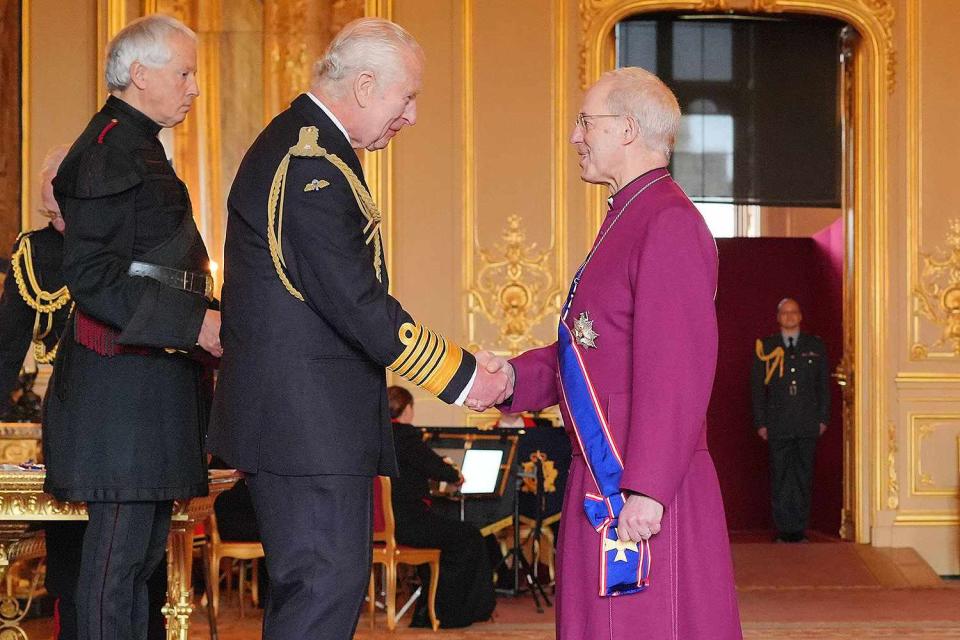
(493, 384)
(639, 518)
(209, 338)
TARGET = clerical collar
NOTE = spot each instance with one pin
(330, 115)
(617, 200)
(133, 115)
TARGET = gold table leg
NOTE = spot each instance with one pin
(179, 604)
(11, 613)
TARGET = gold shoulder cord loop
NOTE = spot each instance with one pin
(43, 302)
(308, 146)
(772, 360)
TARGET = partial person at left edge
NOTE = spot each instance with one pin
(126, 413)
(35, 301)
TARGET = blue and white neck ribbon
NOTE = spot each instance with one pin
(624, 566)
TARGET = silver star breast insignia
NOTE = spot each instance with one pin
(583, 331)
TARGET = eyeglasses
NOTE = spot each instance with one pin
(583, 117)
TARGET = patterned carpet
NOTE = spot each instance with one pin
(786, 592)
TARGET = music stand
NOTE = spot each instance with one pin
(520, 563)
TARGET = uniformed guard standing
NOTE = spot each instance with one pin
(791, 409)
(127, 408)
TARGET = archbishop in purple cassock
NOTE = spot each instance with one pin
(644, 320)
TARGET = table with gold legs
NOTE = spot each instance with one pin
(23, 503)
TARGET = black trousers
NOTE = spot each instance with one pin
(122, 547)
(465, 591)
(316, 534)
(791, 475)
(64, 542)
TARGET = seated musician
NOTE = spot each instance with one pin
(465, 593)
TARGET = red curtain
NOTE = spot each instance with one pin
(755, 274)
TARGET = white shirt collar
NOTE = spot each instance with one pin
(795, 334)
(330, 115)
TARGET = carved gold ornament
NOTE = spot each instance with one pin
(893, 484)
(937, 294)
(515, 288)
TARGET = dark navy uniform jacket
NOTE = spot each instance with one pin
(302, 385)
(792, 405)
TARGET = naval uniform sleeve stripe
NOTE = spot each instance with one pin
(428, 359)
(431, 365)
(444, 373)
(409, 358)
(424, 360)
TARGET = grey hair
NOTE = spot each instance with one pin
(145, 40)
(372, 44)
(638, 93)
(51, 161)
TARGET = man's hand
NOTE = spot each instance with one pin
(762, 432)
(823, 428)
(639, 518)
(209, 338)
(493, 384)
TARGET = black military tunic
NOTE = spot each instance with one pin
(33, 280)
(124, 419)
(791, 398)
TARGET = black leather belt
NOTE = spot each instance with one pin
(193, 281)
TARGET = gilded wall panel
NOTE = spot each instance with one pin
(934, 461)
(934, 233)
(515, 204)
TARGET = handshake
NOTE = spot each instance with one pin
(493, 383)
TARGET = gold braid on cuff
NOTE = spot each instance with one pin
(308, 146)
(43, 302)
(428, 360)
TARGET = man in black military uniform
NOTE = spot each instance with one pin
(125, 414)
(791, 409)
(309, 325)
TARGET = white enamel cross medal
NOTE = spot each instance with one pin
(583, 331)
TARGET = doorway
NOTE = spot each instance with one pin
(764, 144)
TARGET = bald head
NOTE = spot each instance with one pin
(788, 314)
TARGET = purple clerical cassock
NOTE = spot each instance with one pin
(645, 329)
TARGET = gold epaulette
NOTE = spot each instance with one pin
(308, 146)
(772, 360)
(428, 360)
(43, 302)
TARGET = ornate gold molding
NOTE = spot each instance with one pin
(598, 17)
(515, 289)
(922, 427)
(936, 296)
(893, 484)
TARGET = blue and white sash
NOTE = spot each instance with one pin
(624, 567)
